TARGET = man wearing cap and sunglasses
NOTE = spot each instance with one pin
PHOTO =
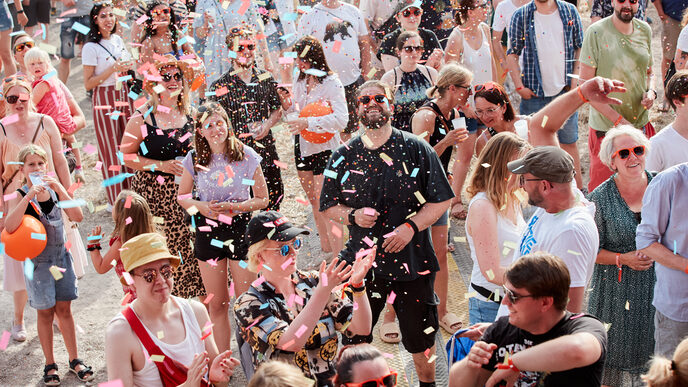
(389, 187)
(564, 224)
(176, 334)
(540, 343)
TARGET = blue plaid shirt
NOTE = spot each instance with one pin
(522, 40)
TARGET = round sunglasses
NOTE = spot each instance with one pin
(284, 250)
(407, 12)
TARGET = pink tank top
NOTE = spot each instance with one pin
(54, 104)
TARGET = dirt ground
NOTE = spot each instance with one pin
(100, 295)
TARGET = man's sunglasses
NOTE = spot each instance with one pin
(365, 99)
(243, 47)
(624, 153)
(168, 77)
(21, 46)
(12, 99)
(630, 1)
(165, 11)
(389, 380)
(513, 297)
(411, 49)
(149, 275)
(407, 12)
(284, 250)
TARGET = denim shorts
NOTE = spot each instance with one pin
(443, 220)
(5, 17)
(44, 290)
(69, 37)
(481, 311)
(568, 134)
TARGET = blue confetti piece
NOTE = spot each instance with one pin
(232, 54)
(248, 182)
(49, 75)
(285, 37)
(182, 40)
(94, 238)
(133, 95)
(144, 148)
(339, 160)
(193, 222)
(330, 174)
(674, 247)
(315, 72)
(28, 269)
(266, 267)
(265, 305)
(38, 236)
(414, 172)
(290, 54)
(442, 131)
(346, 176)
(149, 111)
(116, 179)
(2, 248)
(216, 243)
(242, 264)
(80, 28)
(71, 203)
(125, 25)
(124, 78)
(120, 157)
(291, 16)
(115, 115)
(210, 93)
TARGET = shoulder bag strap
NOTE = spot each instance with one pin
(447, 125)
(108, 51)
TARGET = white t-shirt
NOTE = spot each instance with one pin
(377, 12)
(343, 24)
(570, 235)
(549, 40)
(667, 148)
(682, 42)
(102, 58)
(502, 20)
(508, 235)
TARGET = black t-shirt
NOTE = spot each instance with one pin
(360, 177)
(510, 339)
(389, 45)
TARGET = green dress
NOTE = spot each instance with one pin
(626, 305)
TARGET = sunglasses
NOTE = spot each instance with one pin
(468, 89)
(630, 1)
(243, 47)
(626, 152)
(150, 275)
(14, 78)
(365, 99)
(159, 12)
(21, 46)
(411, 49)
(168, 77)
(513, 297)
(284, 250)
(407, 12)
(389, 380)
(12, 99)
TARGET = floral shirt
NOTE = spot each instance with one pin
(263, 315)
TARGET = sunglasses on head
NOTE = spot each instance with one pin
(243, 47)
(12, 99)
(149, 275)
(165, 11)
(389, 380)
(284, 250)
(14, 78)
(21, 46)
(415, 12)
(513, 297)
(626, 152)
(168, 77)
(411, 49)
(365, 99)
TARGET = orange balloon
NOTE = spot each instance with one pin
(316, 109)
(20, 244)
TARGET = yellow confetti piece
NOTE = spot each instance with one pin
(490, 275)
(422, 134)
(411, 215)
(372, 72)
(157, 358)
(544, 121)
(428, 330)
(386, 158)
(497, 295)
(159, 89)
(55, 271)
(510, 244)
(49, 48)
(305, 51)
(367, 141)
(573, 252)
(521, 195)
(628, 306)
(264, 76)
(404, 165)
(420, 197)
(470, 295)
(432, 358)
(158, 220)
(101, 207)
(460, 239)
(607, 326)
(119, 12)
(160, 335)
(506, 251)
(485, 165)
(193, 210)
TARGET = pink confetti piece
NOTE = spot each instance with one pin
(368, 241)
(280, 164)
(389, 235)
(287, 263)
(127, 278)
(406, 267)
(10, 119)
(142, 19)
(257, 282)
(224, 219)
(363, 253)
(5, 340)
(89, 148)
(208, 298)
(9, 197)
(337, 46)
(112, 383)
(323, 278)
(160, 180)
(128, 220)
(301, 331)
(369, 211)
(391, 297)
(98, 166)
(231, 289)
(184, 137)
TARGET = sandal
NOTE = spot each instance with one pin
(51, 379)
(458, 214)
(84, 375)
(390, 333)
(451, 323)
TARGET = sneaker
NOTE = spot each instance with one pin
(18, 333)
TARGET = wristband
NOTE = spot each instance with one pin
(509, 366)
(618, 120)
(519, 88)
(352, 217)
(686, 269)
(413, 226)
(20, 11)
(93, 247)
(619, 265)
(77, 168)
(580, 94)
(357, 288)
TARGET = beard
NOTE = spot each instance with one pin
(535, 199)
(244, 64)
(625, 17)
(375, 122)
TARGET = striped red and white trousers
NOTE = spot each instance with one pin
(109, 133)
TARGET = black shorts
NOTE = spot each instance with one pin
(315, 163)
(415, 305)
(352, 104)
(38, 11)
(205, 248)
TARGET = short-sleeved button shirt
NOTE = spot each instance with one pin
(396, 179)
(263, 315)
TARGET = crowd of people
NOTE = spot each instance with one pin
(398, 110)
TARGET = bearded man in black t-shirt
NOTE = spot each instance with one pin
(539, 343)
(389, 186)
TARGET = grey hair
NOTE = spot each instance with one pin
(607, 146)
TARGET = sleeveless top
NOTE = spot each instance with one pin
(508, 235)
(54, 103)
(442, 126)
(166, 144)
(10, 151)
(409, 95)
(478, 61)
(182, 352)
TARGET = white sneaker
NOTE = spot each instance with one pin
(18, 333)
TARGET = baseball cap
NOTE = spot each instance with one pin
(271, 225)
(406, 4)
(546, 162)
(146, 248)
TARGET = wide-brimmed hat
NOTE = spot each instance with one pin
(146, 248)
(169, 60)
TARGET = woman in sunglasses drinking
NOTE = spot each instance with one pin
(623, 276)
(223, 209)
(493, 108)
(410, 80)
(155, 153)
(293, 315)
(363, 366)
